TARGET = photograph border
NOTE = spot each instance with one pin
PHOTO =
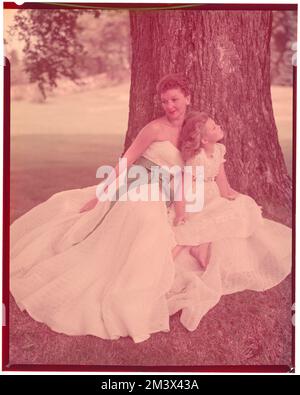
(6, 204)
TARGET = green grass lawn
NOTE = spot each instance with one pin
(59, 145)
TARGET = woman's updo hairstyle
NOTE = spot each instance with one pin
(192, 131)
(173, 81)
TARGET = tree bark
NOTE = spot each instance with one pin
(226, 56)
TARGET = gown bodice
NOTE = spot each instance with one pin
(164, 153)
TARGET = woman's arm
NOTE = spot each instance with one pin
(145, 137)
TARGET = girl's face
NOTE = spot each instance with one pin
(174, 103)
(214, 132)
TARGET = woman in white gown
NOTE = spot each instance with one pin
(89, 268)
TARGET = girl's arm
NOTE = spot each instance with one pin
(180, 216)
(146, 136)
(223, 184)
(179, 205)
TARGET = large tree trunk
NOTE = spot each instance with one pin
(226, 55)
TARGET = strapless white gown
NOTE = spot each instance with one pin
(119, 279)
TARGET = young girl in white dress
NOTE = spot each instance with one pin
(226, 213)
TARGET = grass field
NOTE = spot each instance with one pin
(58, 146)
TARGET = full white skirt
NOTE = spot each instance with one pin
(110, 273)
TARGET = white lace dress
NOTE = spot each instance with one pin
(247, 250)
(219, 218)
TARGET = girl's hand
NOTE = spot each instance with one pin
(89, 205)
(179, 220)
(232, 195)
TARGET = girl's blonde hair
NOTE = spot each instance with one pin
(192, 132)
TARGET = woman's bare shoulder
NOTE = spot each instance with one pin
(156, 129)
(155, 124)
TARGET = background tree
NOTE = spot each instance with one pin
(106, 41)
(226, 56)
(52, 48)
(284, 34)
(18, 76)
(72, 44)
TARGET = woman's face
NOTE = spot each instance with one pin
(174, 103)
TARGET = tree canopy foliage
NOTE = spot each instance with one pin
(71, 43)
(52, 46)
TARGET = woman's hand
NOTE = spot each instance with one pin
(89, 205)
